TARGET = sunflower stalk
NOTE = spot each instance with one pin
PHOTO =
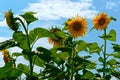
(72, 64)
(28, 41)
(104, 56)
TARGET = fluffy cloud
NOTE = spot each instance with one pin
(3, 23)
(57, 9)
(43, 42)
(4, 38)
(111, 4)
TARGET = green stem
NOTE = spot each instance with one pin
(28, 41)
(104, 56)
(69, 69)
(72, 65)
(26, 31)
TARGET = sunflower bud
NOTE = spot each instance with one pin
(6, 56)
(11, 21)
(56, 43)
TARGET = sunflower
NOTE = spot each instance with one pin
(11, 21)
(6, 56)
(77, 26)
(55, 42)
(101, 21)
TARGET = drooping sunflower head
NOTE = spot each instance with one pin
(55, 42)
(101, 21)
(10, 20)
(6, 56)
(77, 26)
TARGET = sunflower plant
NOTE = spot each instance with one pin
(101, 22)
(64, 61)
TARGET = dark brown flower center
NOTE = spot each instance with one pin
(77, 26)
(101, 21)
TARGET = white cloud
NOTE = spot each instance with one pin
(57, 9)
(3, 23)
(86, 0)
(111, 4)
(4, 38)
(43, 42)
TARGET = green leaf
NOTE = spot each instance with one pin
(116, 73)
(44, 54)
(81, 63)
(112, 18)
(101, 59)
(15, 73)
(65, 49)
(94, 48)
(42, 33)
(16, 54)
(25, 56)
(88, 75)
(60, 34)
(101, 69)
(116, 55)
(112, 62)
(8, 72)
(81, 46)
(38, 61)
(32, 36)
(29, 17)
(7, 44)
(63, 55)
(52, 71)
(91, 65)
(58, 61)
(112, 35)
(108, 77)
(21, 39)
(18, 36)
(116, 47)
(23, 68)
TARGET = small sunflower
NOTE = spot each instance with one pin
(10, 20)
(55, 42)
(101, 21)
(6, 56)
(77, 26)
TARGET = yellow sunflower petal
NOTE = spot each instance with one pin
(56, 43)
(77, 26)
(101, 21)
(6, 56)
(10, 20)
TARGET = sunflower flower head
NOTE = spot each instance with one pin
(101, 21)
(10, 20)
(6, 56)
(77, 26)
(55, 42)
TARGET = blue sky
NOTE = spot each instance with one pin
(55, 12)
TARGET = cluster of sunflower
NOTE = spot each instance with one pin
(77, 26)
(73, 28)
